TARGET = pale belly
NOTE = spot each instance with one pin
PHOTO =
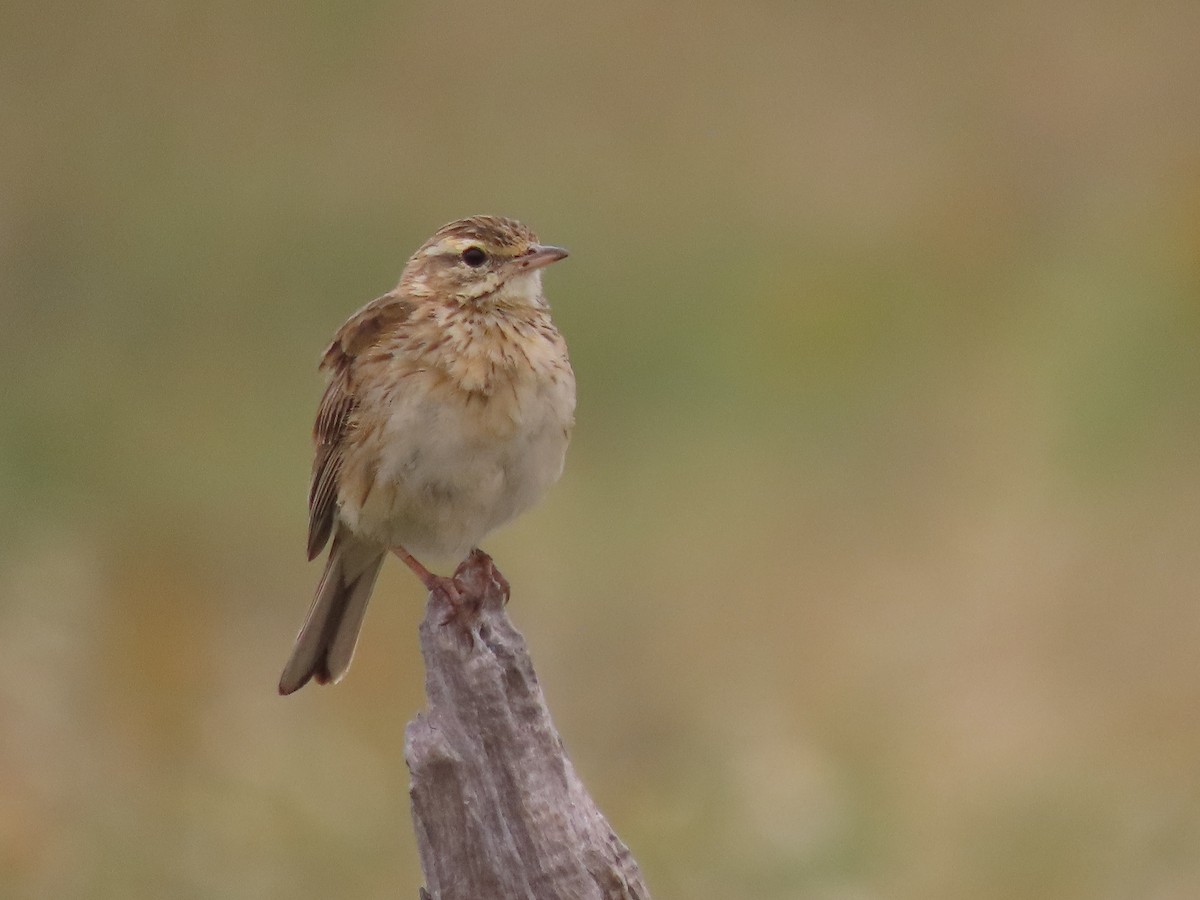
(443, 473)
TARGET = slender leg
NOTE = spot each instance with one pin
(447, 589)
(432, 582)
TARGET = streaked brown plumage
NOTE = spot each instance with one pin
(447, 413)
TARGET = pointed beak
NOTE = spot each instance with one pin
(541, 256)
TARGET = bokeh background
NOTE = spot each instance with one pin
(874, 571)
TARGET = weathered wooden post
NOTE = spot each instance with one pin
(498, 809)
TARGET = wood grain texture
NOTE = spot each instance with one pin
(498, 809)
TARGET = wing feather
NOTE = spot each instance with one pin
(338, 405)
(332, 420)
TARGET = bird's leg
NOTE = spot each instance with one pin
(449, 590)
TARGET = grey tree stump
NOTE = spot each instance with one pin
(498, 809)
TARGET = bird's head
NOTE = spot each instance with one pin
(483, 259)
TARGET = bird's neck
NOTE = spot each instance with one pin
(487, 348)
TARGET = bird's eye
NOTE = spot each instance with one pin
(474, 257)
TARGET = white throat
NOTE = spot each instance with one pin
(522, 290)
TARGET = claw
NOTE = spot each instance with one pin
(464, 592)
(462, 608)
(479, 563)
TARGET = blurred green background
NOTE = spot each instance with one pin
(874, 570)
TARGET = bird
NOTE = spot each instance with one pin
(447, 412)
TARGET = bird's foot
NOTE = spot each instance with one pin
(479, 569)
(461, 603)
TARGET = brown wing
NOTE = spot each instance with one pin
(360, 332)
(332, 419)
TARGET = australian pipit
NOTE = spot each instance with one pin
(448, 410)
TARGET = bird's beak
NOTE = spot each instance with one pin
(541, 256)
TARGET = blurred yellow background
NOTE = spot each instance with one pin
(874, 571)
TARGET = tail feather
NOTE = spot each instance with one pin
(326, 643)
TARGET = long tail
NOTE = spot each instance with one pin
(325, 644)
